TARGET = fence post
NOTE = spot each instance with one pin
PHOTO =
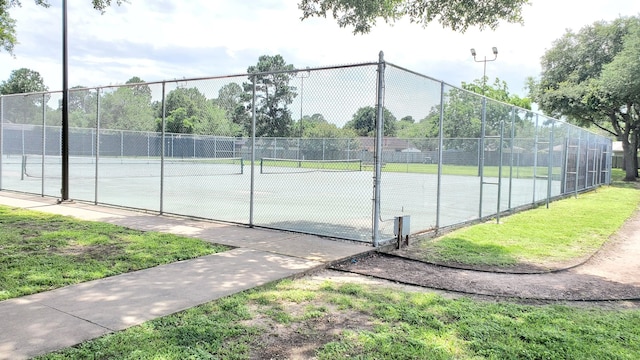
(481, 153)
(253, 150)
(513, 140)
(500, 170)
(44, 128)
(378, 153)
(535, 160)
(550, 165)
(97, 145)
(440, 155)
(1, 136)
(163, 145)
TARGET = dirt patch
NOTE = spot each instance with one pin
(98, 252)
(611, 274)
(300, 340)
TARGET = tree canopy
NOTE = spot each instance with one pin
(364, 122)
(591, 78)
(8, 38)
(498, 91)
(23, 81)
(463, 113)
(273, 96)
(189, 111)
(457, 15)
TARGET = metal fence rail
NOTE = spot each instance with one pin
(132, 146)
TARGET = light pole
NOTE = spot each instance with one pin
(302, 76)
(485, 61)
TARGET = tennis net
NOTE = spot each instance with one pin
(285, 166)
(39, 166)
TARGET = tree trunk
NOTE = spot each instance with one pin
(630, 160)
(636, 145)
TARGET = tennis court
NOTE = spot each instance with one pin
(473, 158)
(331, 199)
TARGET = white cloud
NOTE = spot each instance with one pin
(175, 39)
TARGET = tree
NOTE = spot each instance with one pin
(139, 87)
(499, 91)
(189, 111)
(273, 95)
(230, 99)
(127, 108)
(23, 81)
(364, 122)
(457, 15)
(24, 109)
(8, 37)
(82, 107)
(497, 112)
(590, 77)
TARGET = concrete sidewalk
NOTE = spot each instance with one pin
(41, 323)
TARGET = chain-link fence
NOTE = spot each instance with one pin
(299, 150)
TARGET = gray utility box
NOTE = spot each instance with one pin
(402, 225)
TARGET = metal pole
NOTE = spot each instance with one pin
(1, 136)
(440, 155)
(586, 163)
(64, 192)
(378, 152)
(500, 171)
(163, 146)
(578, 162)
(302, 77)
(253, 151)
(535, 160)
(550, 165)
(481, 153)
(44, 123)
(513, 139)
(97, 149)
(484, 75)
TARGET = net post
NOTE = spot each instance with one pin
(23, 167)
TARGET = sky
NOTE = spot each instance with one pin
(165, 40)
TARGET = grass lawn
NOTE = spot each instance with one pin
(570, 229)
(333, 319)
(40, 252)
(343, 319)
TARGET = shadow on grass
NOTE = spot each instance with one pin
(617, 176)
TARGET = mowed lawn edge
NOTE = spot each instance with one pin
(41, 252)
(570, 229)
